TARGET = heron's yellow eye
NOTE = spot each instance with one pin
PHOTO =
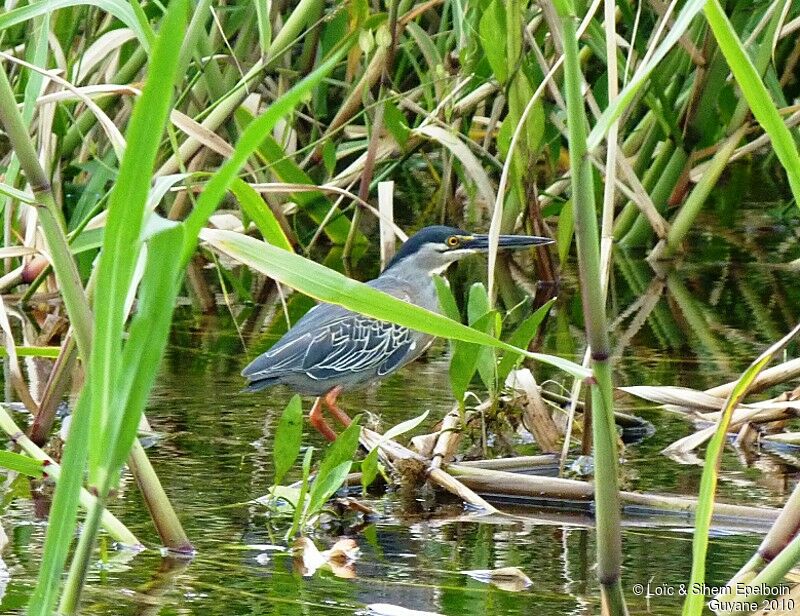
(453, 241)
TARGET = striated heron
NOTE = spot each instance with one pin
(331, 349)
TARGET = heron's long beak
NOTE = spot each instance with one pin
(481, 242)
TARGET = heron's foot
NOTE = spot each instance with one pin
(330, 401)
(316, 419)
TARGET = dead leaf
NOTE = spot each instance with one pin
(343, 551)
(307, 558)
(340, 559)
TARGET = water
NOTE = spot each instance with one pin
(717, 310)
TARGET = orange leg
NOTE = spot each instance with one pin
(330, 401)
(316, 419)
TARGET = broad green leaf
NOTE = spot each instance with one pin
(463, 355)
(20, 463)
(332, 287)
(477, 302)
(325, 485)
(521, 337)
(396, 123)
(260, 213)
(288, 438)
(369, 469)
(469, 358)
(446, 300)
(334, 467)
(481, 317)
(118, 8)
(492, 29)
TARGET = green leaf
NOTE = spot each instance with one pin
(264, 25)
(288, 438)
(20, 463)
(329, 156)
(477, 302)
(566, 229)
(119, 9)
(482, 318)
(369, 469)
(396, 123)
(754, 90)
(51, 352)
(301, 499)
(521, 337)
(260, 213)
(147, 336)
(122, 243)
(63, 512)
(629, 92)
(315, 204)
(492, 29)
(695, 602)
(485, 360)
(334, 467)
(446, 300)
(126, 205)
(332, 287)
(464, 355)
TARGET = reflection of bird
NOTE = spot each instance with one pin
(331, 349)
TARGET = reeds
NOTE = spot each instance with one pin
(267, 110)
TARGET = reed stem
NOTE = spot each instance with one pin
(609, 543)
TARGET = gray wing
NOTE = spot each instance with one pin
(331, 342)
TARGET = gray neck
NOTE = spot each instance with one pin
(422, 265)
(410, 271)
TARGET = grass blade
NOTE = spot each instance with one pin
(21, 464)
(754, 90)
(695, 602)
(629, 92)
(119, 9)
(121, 240)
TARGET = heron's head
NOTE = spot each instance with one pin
(433, 249)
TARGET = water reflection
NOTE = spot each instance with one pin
(694, 322)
